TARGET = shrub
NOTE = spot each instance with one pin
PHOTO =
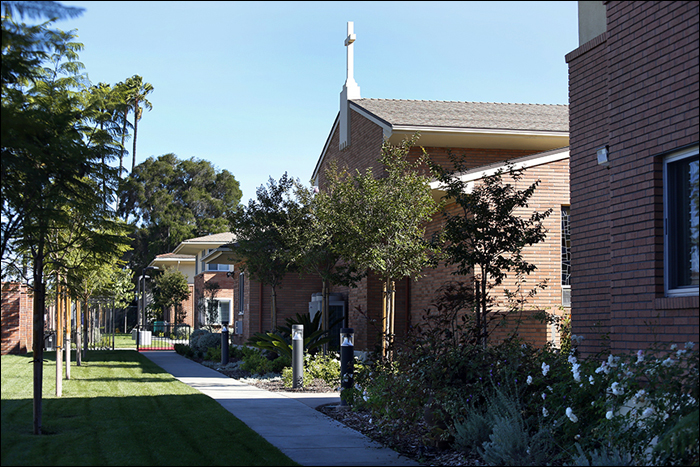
(255, 362)
(287, 377)
(213, 354)
(324, 367)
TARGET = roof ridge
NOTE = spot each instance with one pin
(455, 102)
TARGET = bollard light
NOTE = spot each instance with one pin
(347, 355)
(297, 355)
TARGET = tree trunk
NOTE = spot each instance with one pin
(325, 321)
(86, 328)
(69, 328)
(78, 333)
(59, 338)
(38, 333)
(273, 309)
(136, 127)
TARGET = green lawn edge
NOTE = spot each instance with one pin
(119, 408)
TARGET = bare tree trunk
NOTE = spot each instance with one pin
(69, 327)
(273, 311)
(59, 338)
(78, 333)
(38, 334)
(325, 318)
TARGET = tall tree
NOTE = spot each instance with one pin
(259, 233)
(487, 235)
(381, 220)
(170, 200)
(49, 172)
(137, 91)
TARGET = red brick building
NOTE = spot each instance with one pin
(487, 135)
(633, 96)
(17, 303)
(213, 274)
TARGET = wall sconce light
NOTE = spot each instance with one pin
(603, 156)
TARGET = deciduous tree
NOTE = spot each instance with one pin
(487, 235)
(380, 220)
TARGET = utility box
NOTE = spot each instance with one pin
(336, 312)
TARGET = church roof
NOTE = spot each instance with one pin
(475, 115)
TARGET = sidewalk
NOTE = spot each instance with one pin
(288, 420)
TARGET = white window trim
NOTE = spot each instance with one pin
(218, 319)
(681, 291)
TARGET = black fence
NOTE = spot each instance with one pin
(161, 335)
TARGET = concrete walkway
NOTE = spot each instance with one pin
(288, 420)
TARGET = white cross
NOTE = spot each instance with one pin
(349, 80)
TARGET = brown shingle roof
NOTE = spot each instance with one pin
(487, 115)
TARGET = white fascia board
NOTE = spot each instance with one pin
(216, 253)
(483, 131)
(479, 174)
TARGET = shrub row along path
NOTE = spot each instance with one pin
(288, 420)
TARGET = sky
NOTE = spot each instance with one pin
(254, 87)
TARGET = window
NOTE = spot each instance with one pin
(218, 267)
(565, 256)
(681, 206)
(218, 310)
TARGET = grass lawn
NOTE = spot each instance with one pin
(119, 408)
(124, 341)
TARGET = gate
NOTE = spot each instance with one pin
(100, 323)
(161, 335)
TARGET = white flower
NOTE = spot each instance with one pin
(689, 345)
(617, 389)
(545, 369)
(667, 362)
(575, 370)
(571, 359)
(544, 396)
(612, 361)
(529, 379)
(680, 352)
(640, 394)
(591, 380)
(648, 411)
(673, 347)
(544, 412)
(571, 415)
(609, 414)
(640, 356)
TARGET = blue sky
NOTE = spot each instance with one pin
(254, 87)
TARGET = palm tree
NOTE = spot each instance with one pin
(137, 96)
(122, 107)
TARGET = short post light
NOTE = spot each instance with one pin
(224, 336)
(297, 355)
(347, 355)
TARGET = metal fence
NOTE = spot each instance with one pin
(161, 335)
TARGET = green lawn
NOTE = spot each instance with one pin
(119, 408)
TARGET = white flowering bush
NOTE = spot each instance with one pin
(642, 405)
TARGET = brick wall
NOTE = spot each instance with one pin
(293, 296)
(16, 318)
(634, 88)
